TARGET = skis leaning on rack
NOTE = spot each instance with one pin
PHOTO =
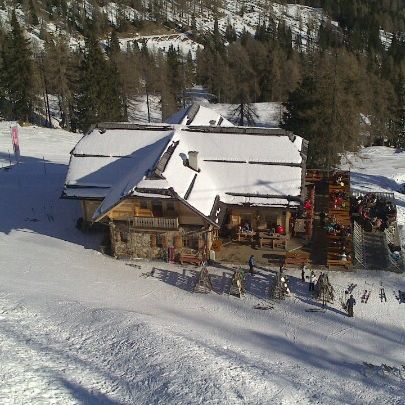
(365, 296)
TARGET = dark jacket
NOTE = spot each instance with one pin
(351, 302)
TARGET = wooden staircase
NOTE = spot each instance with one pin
(341, 216)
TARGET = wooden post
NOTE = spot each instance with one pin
(178, 242)
(112, 237)
(203, 283)
(153, 240)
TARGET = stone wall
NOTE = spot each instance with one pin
(130, 243)
(133, 244)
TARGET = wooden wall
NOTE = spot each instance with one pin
(149, 207)
(259, 217)
(88, 209)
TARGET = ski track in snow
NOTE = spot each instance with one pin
(80, 327)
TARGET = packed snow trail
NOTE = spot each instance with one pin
(80, 327)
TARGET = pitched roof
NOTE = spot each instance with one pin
(240, 165)
(108, 153)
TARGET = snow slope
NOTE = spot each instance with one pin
(80, 327)
(301, 20)
(162, 43)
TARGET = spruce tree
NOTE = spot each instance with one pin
(325, 109)
(17, 73)
(244, 88)
(97, 95)
(59, 64)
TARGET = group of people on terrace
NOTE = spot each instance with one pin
(377, 213)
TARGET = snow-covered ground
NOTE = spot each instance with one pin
(162, 43)
(269, 114)
(138, 109)
(80, 327)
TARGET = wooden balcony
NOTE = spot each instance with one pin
(154, 223)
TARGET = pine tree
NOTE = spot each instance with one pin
(244, 88)
(325, 109)
(33, 13)
(59, 71)
(97, 96)
(230, 33)
(113, 47)
(17, 73)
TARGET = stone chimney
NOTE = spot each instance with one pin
(193, 160)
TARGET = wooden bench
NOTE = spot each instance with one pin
(336, 187)
(273, 241)
(279, 243)
(313, 177)
(339, 211)
(332, 236)
(191, 259)
(339, 263)
(245, 236)
(296, 258)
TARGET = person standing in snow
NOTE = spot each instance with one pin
(303, 269)
(351, 302)
(312, 280)
(251, 263)
(282, 267)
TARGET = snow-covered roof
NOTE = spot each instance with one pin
(105, 156)
(240, 165)
(198, 115)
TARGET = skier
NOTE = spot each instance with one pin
(282, 267)
(351, 302)
(251, 263)
(303, 269)
(312, 280)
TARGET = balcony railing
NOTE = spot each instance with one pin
(154, 223)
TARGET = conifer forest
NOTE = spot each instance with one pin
(339, 70)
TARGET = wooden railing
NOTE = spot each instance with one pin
(154, 222)
(388, 196)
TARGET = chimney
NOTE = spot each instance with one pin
(193, 160)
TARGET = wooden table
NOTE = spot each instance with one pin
(243, 235)
(272, 240)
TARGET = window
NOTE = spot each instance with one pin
(170, 206)
(143, 205)
(157, 209)
(161, 240)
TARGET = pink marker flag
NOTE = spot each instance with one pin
(16, 143)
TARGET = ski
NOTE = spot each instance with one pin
(367, 297)
(351, 288)
(363, 297)
(397, 296)
(383, 297)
